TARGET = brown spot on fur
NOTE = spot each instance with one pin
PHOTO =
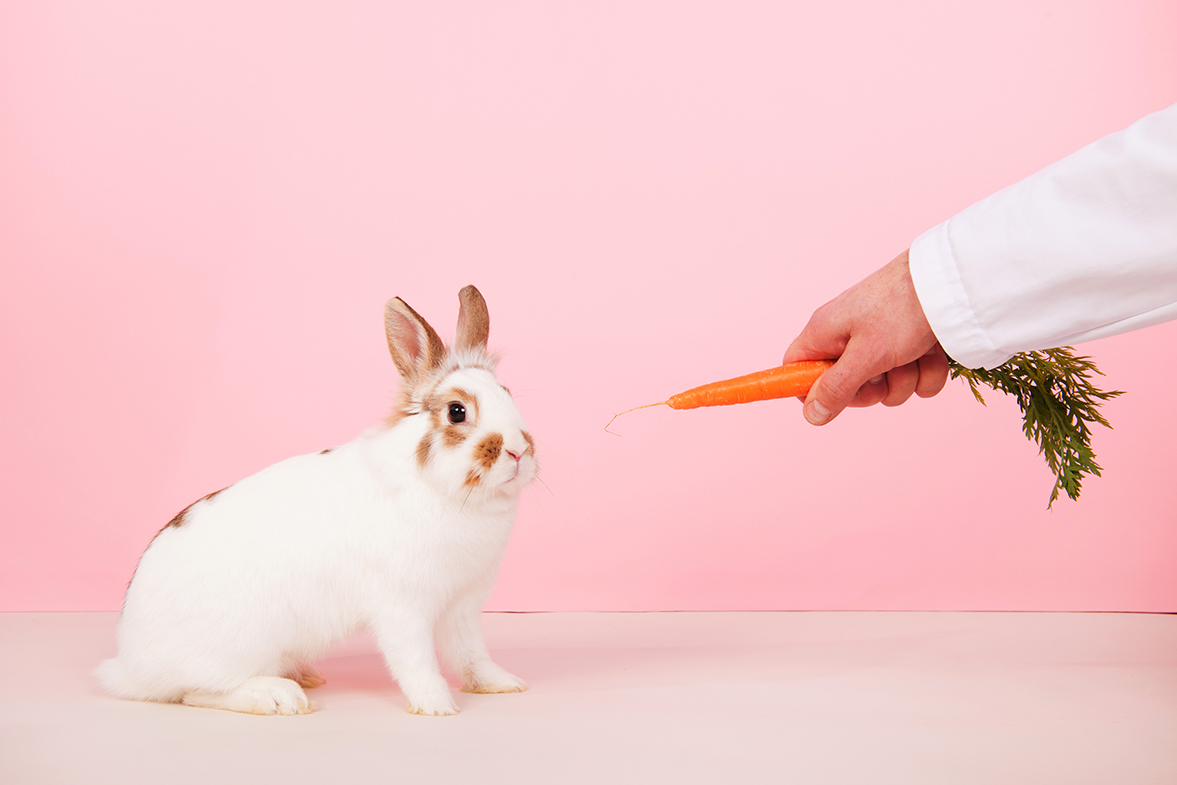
(454, 435)
(473, 478)
(423, 449)
(530, 443)
(462, 395)
(182, 515)
(324, 452)
(178, 521)
(488, 450)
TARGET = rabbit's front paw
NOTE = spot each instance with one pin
(433, 707)
(491, 679)
(431, 701)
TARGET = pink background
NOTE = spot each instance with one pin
(204, 206)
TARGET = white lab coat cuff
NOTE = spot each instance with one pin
(946, 303)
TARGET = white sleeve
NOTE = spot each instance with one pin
(1085, 248)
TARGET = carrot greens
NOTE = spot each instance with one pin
(1059, 401)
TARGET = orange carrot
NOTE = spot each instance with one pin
(785, 381)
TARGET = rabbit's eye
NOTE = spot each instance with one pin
(457, 413)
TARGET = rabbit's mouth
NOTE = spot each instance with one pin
(518, 476)
(508, 483)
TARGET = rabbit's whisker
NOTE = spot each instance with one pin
(540, 480)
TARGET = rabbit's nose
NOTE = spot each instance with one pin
(515, 455)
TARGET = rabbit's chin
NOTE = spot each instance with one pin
(492, 489)
(516, 482)
(511, 485)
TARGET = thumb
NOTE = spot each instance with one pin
(836, 388)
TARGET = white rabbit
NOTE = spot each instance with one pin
(400, 531)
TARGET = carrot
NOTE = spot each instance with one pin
(785, 381)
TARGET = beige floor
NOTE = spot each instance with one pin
(651, 698)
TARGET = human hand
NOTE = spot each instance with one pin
(884, 346)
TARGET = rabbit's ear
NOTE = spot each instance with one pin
(473, 320)
(414, 345)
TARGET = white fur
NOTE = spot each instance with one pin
(227, 609)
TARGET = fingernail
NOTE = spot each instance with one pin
(816, 414)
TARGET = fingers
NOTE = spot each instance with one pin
(925, 377)
(901, 383)
(933, 372)
(874, 391)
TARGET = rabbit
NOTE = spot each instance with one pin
(400, 531)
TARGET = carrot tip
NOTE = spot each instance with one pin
(634, 409)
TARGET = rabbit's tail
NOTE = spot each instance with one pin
(114, 677)
(111, 676)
